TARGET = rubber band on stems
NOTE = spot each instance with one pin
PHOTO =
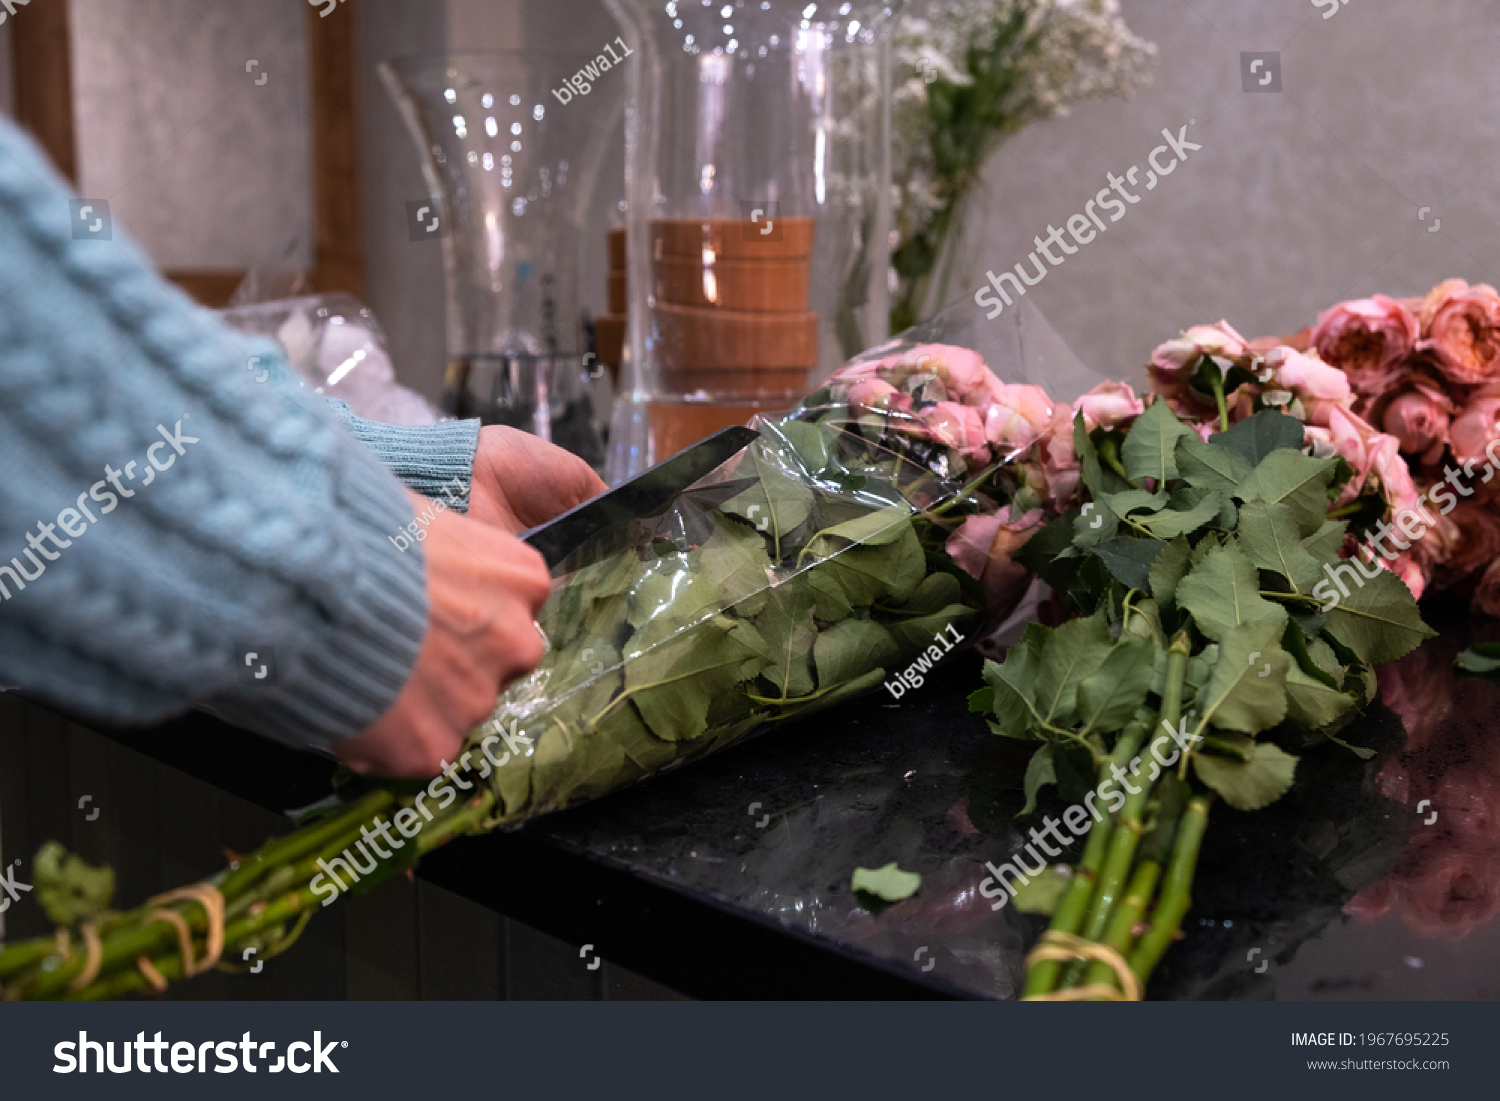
(1064, 948)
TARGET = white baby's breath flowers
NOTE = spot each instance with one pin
(1021, 60)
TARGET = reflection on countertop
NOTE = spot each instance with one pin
(1341, 890)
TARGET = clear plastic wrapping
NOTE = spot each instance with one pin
(808, 568)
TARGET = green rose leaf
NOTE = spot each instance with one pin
(675, 682)
(1041, 894)
(1247, 689)
(1325, 543)
(1252, 784)
(1129, 559)
(1168, 570)
(1268, 536)
(1186, 516)
(778, 502)
(888, 882)
(1257, 436)
(1313, 704)
(1223, 592)
(851, 648)
(68, 890)
(1210, 466)
(1298, 480)
(1108, 698)
(1150, 447)
(1379, 620)
(1041, 770)
(1073, 652)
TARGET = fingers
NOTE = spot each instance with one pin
(521, 481)
(485, 589)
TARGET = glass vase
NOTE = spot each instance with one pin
(759, 217)
(511, 167)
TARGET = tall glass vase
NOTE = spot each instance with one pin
(758, 182)
(511, 167)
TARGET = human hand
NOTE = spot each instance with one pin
(484, 590)
(521, 481)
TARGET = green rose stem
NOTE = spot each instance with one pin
(1126, 836)
(1175, 892)
(1070, 912)
(1123, 921)
(299, 901)
(265, 890)
(1217, 382)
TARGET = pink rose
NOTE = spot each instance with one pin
(1462, 327)
(1419, 419)
(1476, 425)
(959, 427)
(1306, 376)
(984, 546)
(1200, 340)
(874, 393)
(963, 371)
(1107, 404)
(1371, 454)
(1017, 417)
(1368, 338)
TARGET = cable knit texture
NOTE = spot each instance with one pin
(436, 460)
(166, 514)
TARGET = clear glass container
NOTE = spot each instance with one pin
(511, 165)
(758, 173)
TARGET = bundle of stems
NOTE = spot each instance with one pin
(1113, 897)
(250, 904)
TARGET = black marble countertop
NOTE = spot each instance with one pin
(731, 877)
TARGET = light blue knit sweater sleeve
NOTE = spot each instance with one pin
(436, 460)
(181, 524)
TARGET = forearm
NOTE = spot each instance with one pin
(167, 513)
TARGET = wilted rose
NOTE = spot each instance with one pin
(1367, 338)
(1461, 327)
(1473, 542)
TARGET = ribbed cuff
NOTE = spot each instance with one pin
(353, 671)
(435, 460)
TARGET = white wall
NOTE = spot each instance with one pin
(205, 168)
(1296, 200)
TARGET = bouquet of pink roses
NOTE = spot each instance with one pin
(1408, 392)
